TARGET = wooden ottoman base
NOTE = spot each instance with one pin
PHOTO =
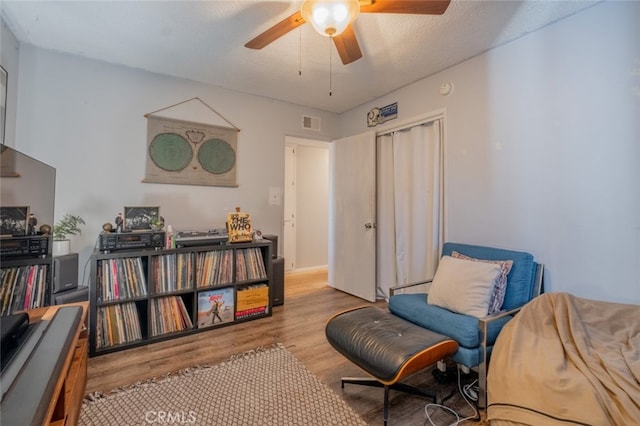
(387, 347)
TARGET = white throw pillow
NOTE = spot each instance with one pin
(463, 286)
(500, 288)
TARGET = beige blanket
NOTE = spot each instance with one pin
(567, 360)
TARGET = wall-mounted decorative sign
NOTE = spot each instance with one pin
(380, 115)
(188, 153)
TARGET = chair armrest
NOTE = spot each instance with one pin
(483, 324)
(497, 315)
(392, 290)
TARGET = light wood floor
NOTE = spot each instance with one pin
(298, 325)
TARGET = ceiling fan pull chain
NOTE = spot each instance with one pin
(300, 53)
(330, 68)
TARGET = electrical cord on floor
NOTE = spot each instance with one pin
(471, 390)
(469, 393)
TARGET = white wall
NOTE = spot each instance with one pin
(86, 119)
(543, 148)
(9, 51)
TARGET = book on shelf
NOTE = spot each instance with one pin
(252, 300)
(239, 226)
(215, 306)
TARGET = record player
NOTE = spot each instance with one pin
(214, 236)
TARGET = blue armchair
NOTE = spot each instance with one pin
(475, 336)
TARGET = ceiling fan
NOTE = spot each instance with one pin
(333, 18)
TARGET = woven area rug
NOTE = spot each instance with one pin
(265, 386)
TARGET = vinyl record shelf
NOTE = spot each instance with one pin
(139, 297)
(26, 283)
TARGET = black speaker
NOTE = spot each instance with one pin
(65, 272)
(277, 286)
(79, 294)
(274, 244)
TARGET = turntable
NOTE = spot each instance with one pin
(215, 236)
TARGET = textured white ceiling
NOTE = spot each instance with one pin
(204, 41)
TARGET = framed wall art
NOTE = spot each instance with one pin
(188, 153)
(13, 221)
(140, 218)
(182, 152)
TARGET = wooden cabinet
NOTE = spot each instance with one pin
(138, 297)
(73, 381)
(51, 376)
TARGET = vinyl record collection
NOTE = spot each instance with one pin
(253, 301)
(121, 279)
(171, 272)
(168, 315)
(213, 268)
(215, 306)
(148, 295)
(249, 265)
(117, 324)
(23, 287)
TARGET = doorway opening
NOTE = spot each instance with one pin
(306, 197)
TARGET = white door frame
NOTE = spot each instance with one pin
(289, 222)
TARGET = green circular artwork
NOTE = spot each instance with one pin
(170, 152)
(216, 156)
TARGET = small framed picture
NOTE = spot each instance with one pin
(13, 221)
(140, 218)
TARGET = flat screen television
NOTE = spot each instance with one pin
(27, 193)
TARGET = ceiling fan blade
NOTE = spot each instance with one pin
(415, 7)
(277, 31)
(347, 45)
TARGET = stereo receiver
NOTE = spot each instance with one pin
(28, 246)
(131, 240)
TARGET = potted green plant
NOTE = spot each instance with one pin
(68, 225)
(157, 223)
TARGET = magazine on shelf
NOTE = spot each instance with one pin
(215, 307)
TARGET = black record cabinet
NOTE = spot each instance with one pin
(139, 297)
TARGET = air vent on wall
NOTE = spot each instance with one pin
(310, 123)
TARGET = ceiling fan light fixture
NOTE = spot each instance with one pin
(330, 17)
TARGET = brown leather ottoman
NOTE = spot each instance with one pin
(387, 347)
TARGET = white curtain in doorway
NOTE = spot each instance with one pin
(409, 205)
